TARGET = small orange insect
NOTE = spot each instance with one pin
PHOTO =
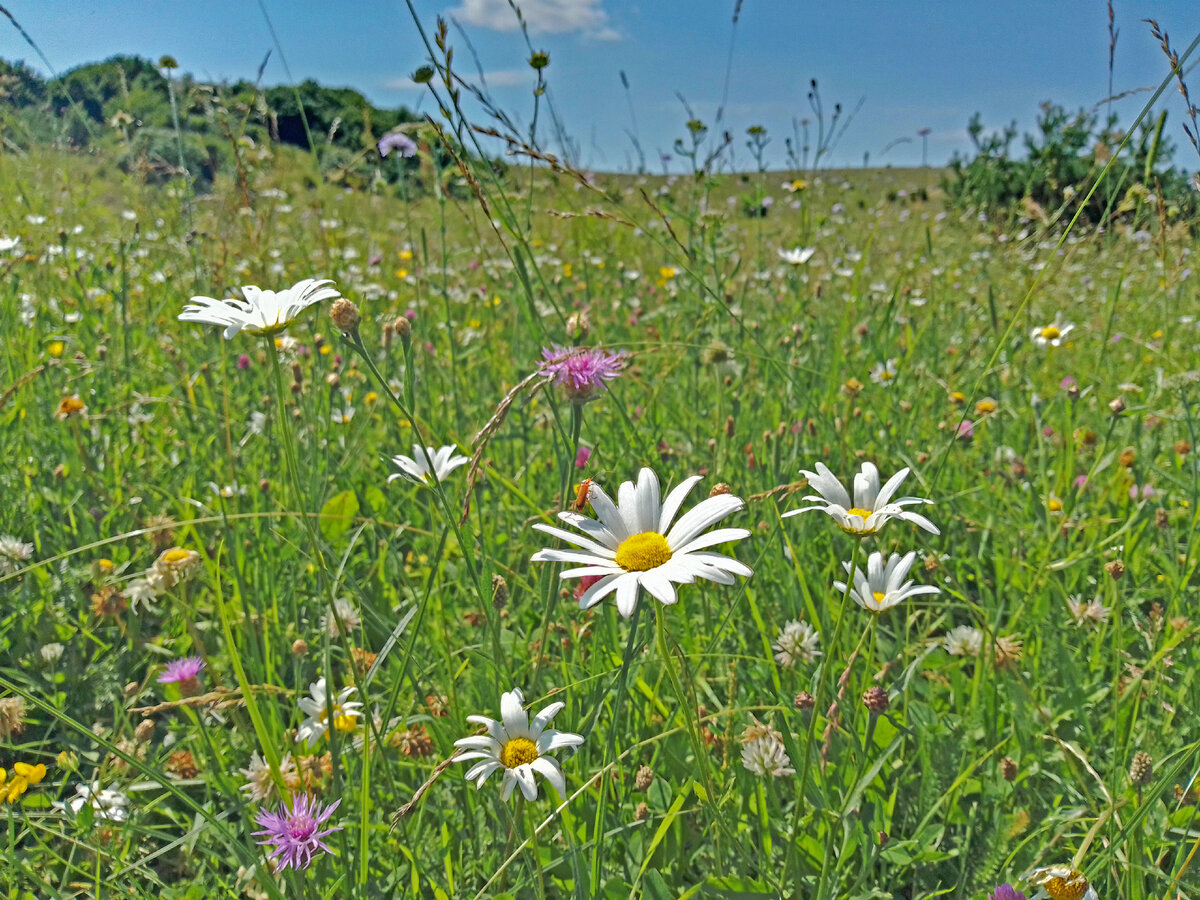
(582, 492)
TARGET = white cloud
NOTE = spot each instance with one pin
(542, 16)
(501, 78)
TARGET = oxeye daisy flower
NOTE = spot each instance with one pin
(884, 372)
(883, 586)
(441, 461)
(1061, 883)
(581, 371)
(634, 544)
(260, 312)
(518, 746)
(316, 707)
(296, 834)
(871, 507)
(1052, 335)
(797, 256)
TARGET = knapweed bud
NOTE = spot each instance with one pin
(144, 731)
(719, 488)
(641, 813)
(804, 701)
(1117, 405)
(299, 647)
(539, 60)
(345, 316)
(1115, 569)
(1008, 768)
(876, 700)
(423, 75)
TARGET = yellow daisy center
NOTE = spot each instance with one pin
(879, 596)
(1072, 887)
(1054, 505)
(1050, 332)
(176, 555)
(885, 374)
(344, 723)
(642, 552)
(518, 752)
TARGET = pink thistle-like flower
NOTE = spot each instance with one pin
(296, 834)
(1006, 892)
(581, 371)
(179, 670)
(582, 455)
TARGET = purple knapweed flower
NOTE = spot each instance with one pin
(296, 834)
(186, 669)
(966, 430)
(400, 142)
(1069, 383)
(243, 361)
(1006, 892)
(582, 455)
(581, 371)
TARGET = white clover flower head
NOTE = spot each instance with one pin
(259, 784)
(797, 642)
(519, 746)
(765, 756)
(259, 312)
(871, 507)
(441, 461)
(965, 640)
(1092, 612)
(108, 803)
(883, 586)
(13, 552)
(632, 543)
(1052, 335)
(317, 706)
(797, 256)
(342, 619)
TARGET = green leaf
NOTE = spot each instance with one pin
(338, 514)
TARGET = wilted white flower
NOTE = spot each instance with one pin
(108, 803)
(518, 746)
(883, 586)
(12, 553)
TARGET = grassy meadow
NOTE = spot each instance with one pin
(171, 494)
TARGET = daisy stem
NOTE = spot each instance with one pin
(290, 455)
(822, 679)
(531, 828)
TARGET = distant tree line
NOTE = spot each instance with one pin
(161, 124)
(1052, 177)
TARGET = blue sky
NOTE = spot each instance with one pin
(918, 63)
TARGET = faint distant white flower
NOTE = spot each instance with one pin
(7, 243)
(797, 256)
(260, 312)
(884, 372)
(797, 641)
(424, 460)
(51, 653)
(1092, 612)
(342, 619)
(964, 640)
(36, 220)
(1052, 335)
